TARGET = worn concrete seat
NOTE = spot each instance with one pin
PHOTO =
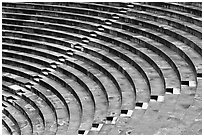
(11, 100)
(62, 70)
(172, 32)
(23, 121)
(179, 7)
(86, 123)
(10, 121)
(77, 80)
(20, 92)
(190, 28)
(30, 110)
(45, 63)
(143, 54)
(32, 5)
(142, 12)
(197, 5)
(60, 115)
(106, 15)
(40, 99)
(51, 117)
(116, 32)
(59, 95)
(6, 130)
(102, 68)
(179, 15)
(180, 39)
(39, 60)
(116, 10)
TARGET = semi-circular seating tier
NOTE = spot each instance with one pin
(104, 68)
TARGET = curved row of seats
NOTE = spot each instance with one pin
(91, 68)
(111, 16)
(31, 108)
(197, 5)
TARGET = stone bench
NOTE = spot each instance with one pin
(6, 130)
(11, 121)
(31, 109)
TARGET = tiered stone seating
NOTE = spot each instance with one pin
(44, 104)
(9, 99)
(34, 114)
(175, 14)
(17, 113)
(59, 94)
(197, 5)
(11, 122)
(101, 68)
(6, 129)
(180, 7)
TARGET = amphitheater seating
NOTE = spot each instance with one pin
(104, 68)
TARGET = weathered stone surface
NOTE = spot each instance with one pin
(110, 68)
